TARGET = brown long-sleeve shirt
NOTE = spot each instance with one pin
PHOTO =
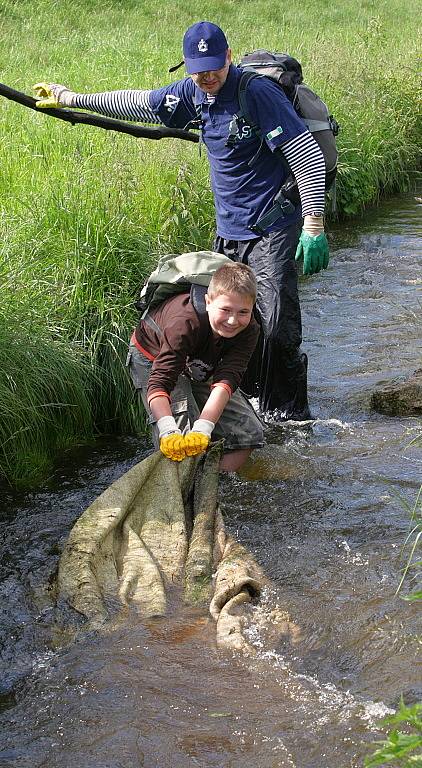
(188, 345)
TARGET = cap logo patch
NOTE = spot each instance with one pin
(202, 46)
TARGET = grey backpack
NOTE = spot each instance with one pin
(287, 73)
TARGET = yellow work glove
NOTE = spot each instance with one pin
(53, 95)
(173, 446)
(171, 439)
(198, 439)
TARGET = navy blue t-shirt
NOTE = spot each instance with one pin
(242, 192)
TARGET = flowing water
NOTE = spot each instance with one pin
(327, 528)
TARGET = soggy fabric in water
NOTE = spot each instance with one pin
(155, 531)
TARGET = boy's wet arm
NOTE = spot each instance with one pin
(216, 403)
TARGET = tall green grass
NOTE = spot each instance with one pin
(84, 213)
(46, 397)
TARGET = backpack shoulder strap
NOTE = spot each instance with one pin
(245, 78)
(149, 320)
(197, 297)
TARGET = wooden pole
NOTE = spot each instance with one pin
(108, 123)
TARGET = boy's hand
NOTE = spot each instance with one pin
(173, 446)
(52, 95)
(198, 439)
(171, 439)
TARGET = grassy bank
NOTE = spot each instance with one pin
(84, 213)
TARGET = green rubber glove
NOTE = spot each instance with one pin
(314, 251)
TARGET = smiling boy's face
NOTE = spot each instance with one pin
(229, 313)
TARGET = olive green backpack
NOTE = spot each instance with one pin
(178, 274)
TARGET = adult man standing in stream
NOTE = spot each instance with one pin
(246, 174)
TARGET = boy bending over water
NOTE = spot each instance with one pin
(187, 358)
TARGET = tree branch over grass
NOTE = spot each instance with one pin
(108, 123)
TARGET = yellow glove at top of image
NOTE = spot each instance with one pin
(45, 97)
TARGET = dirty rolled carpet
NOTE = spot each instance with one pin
(159, 528)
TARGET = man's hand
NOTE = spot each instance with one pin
(53, 95)
(198, 439)
(313, 246)
(171, 439)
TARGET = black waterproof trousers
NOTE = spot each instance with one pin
(277, 371)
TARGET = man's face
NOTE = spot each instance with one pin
(212, 82)
(229, 313)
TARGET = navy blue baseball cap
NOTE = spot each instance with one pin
(204, 48)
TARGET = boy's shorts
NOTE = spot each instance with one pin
(238, 425)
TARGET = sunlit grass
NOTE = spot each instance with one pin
(84, 213)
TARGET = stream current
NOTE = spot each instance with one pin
(327, 528)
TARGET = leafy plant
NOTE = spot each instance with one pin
(400, 749)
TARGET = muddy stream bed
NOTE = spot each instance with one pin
(327, 529)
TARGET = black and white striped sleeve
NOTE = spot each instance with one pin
(128, 104)
(308, 167)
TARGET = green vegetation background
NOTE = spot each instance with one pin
(84, 213)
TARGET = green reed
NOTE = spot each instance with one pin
(411, 549)
(46, 395)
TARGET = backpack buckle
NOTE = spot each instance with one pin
(335, 128)
(286, 206)
(281, 207)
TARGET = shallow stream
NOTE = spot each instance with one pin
(327, 528)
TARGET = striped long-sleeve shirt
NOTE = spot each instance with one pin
(244, 180)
